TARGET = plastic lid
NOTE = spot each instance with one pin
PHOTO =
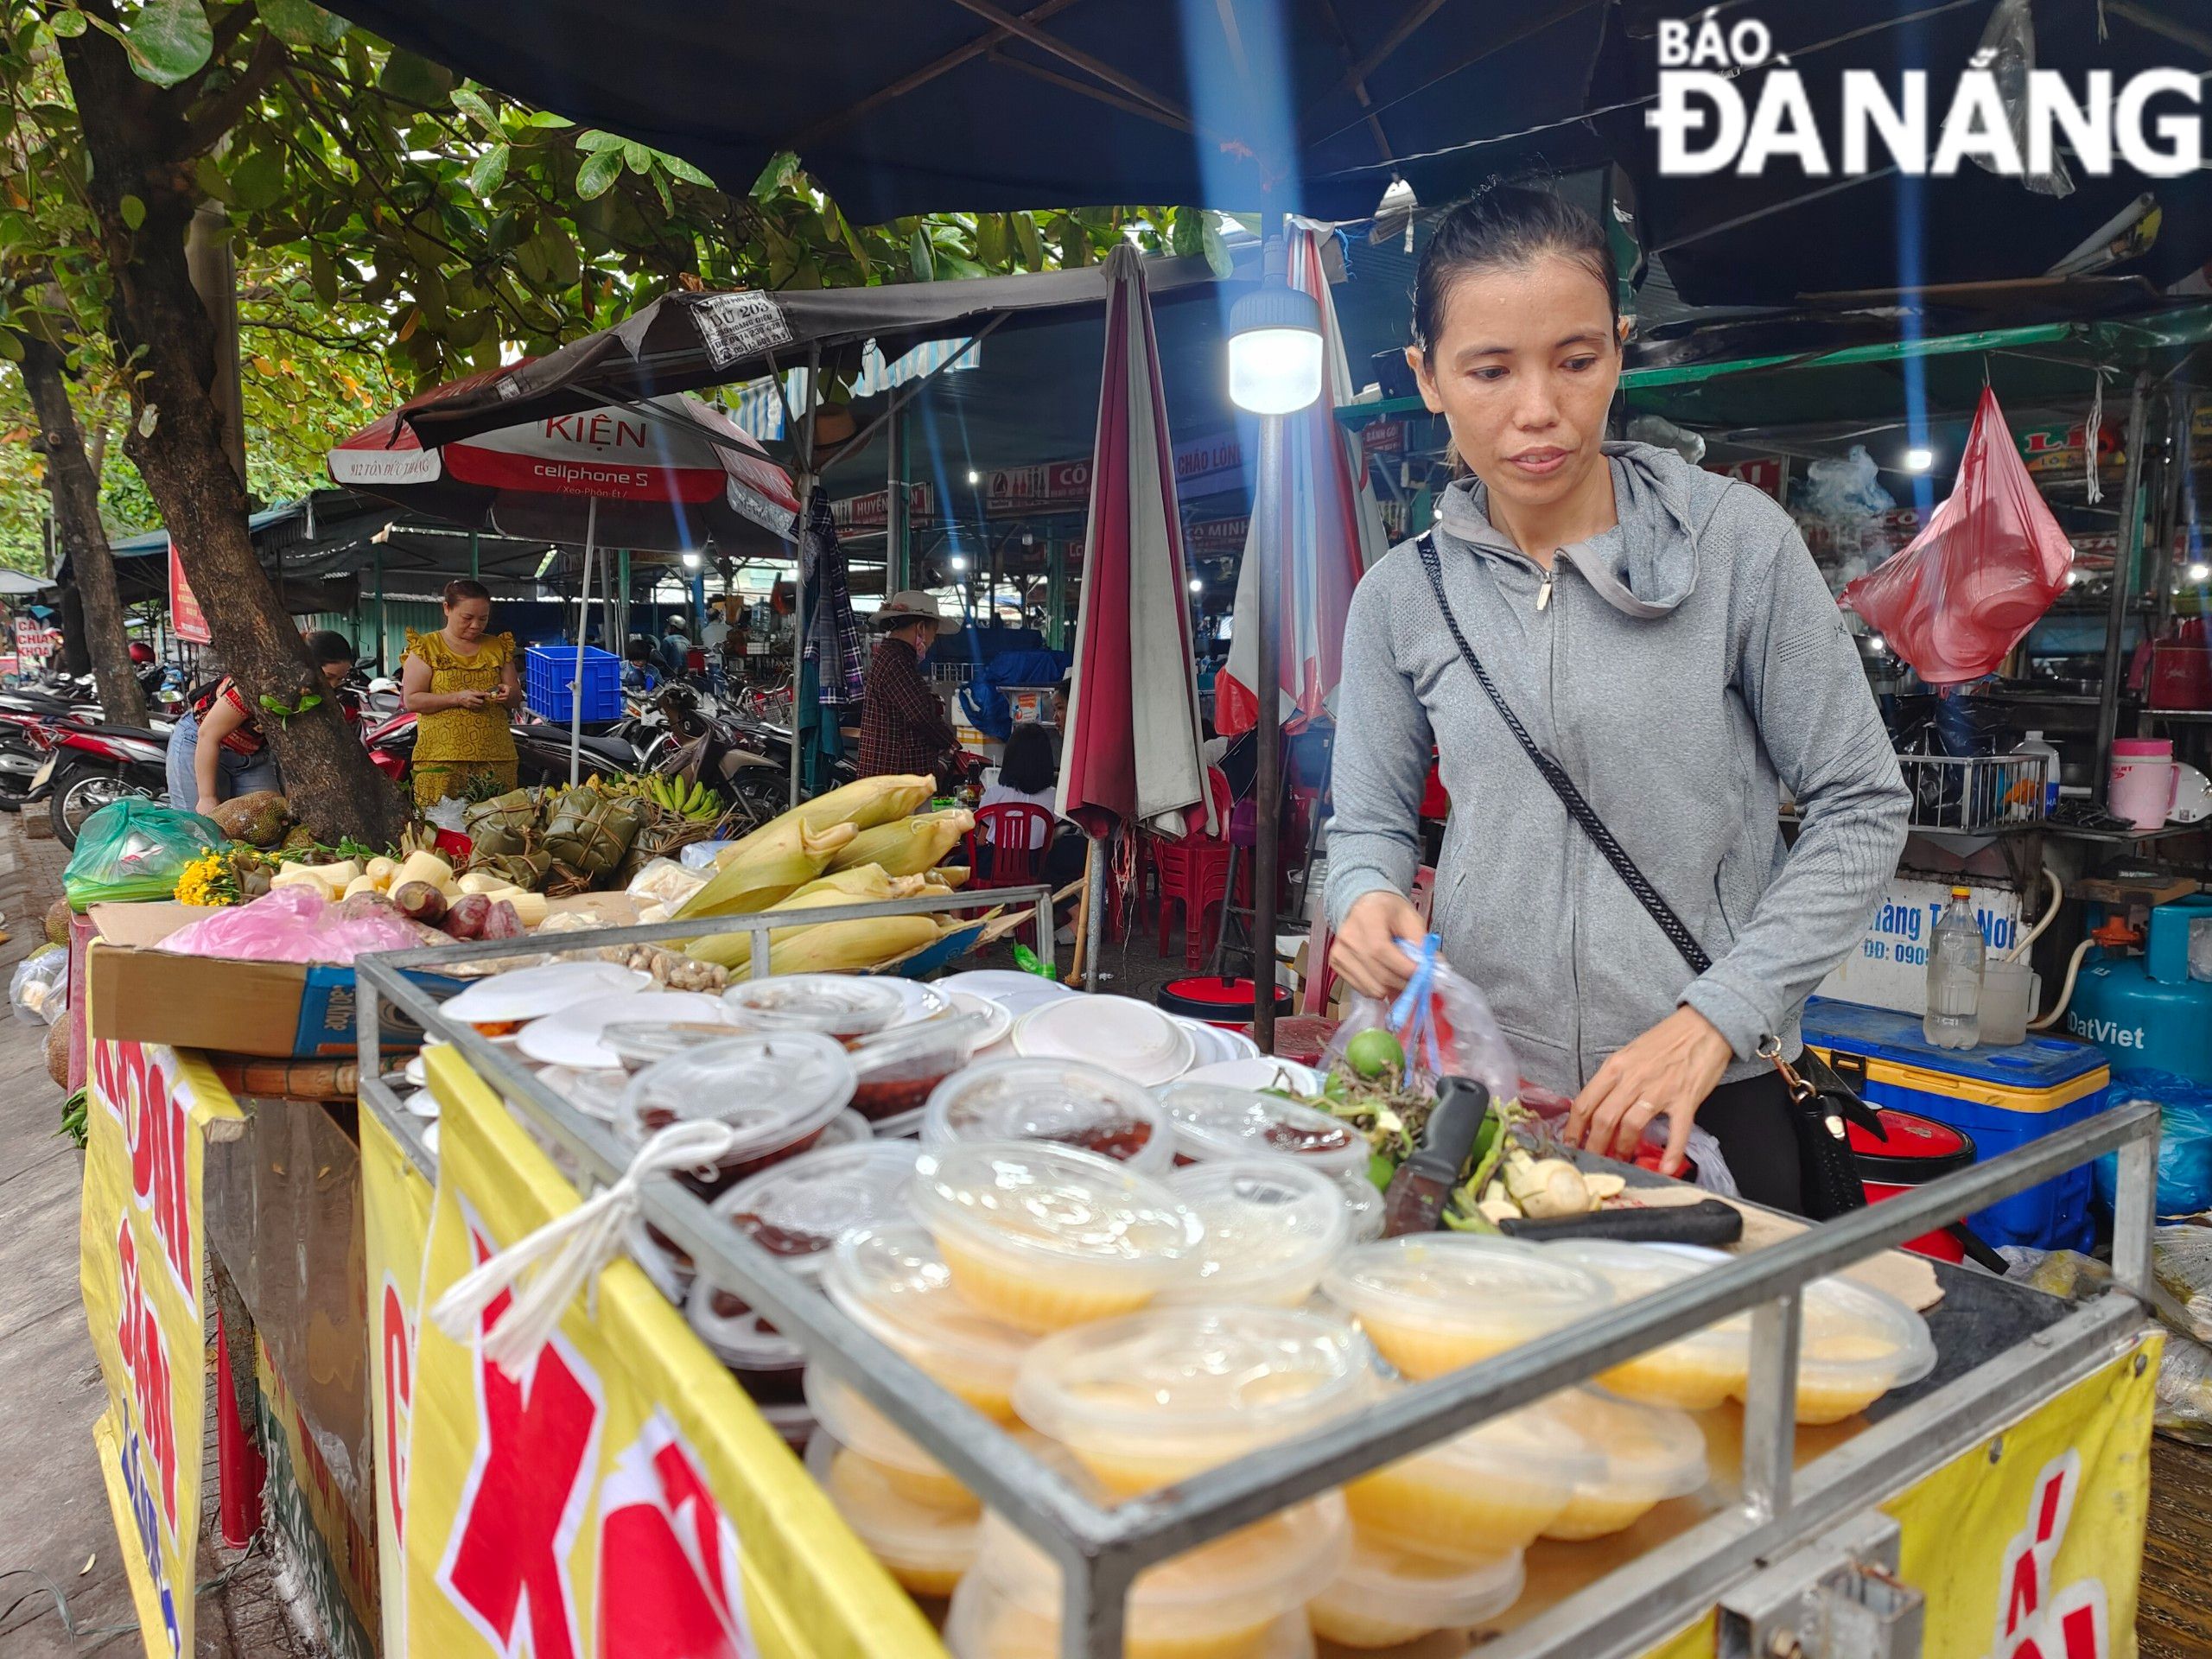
(899, 1068)
(1383, 1583)
(527, 992)
(1637, 1270)
(1464, 1282)
(845, 1129)
(1651, 1452)
(1136, 1039)
(1218, 1120)
(1228, 1377)
(772, 1088)
(1063, 1101)
(737, 1335)
(1272, 1226)
(1529, 1448)
(799, 1209)
(1853, 1334)
(1364, 1204)
(835, 1005)
(891, 1281)
(839, 1407)
(1914, 1149)
(905, 1536)
(596, 1093)
(671, 1271)
(1051, 1204)
(638, 1042)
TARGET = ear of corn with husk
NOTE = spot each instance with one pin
(863, 803)
(825, 947)
(769, 868)
(909, 846)
(855, 886)
(949, 875)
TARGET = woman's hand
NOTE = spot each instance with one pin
(1670, 1069)
(205, 805)
(1366, 950)
(471, 699)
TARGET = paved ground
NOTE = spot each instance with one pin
(54, 1524)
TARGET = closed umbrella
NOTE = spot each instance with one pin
(664, 474)
(1131, 754)
(1332, 532)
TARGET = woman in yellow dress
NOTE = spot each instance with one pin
(461, 684)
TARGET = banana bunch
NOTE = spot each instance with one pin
(693, 800)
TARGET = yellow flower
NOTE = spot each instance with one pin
(206, 882)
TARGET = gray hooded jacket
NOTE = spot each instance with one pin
(1688, 664)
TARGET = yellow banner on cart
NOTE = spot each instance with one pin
(142, 1243)
(2030, 1545)
(396, 1232)
(620, 1499)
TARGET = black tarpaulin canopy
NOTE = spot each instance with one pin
(962, 105)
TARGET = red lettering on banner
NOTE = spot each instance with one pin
(672, 1554)
(397, 1343)
(155, 1119)
(2034, 1621)
(538, 1439)
(146, 1363)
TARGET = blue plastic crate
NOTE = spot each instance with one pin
(2003, 1097)
(550, 670)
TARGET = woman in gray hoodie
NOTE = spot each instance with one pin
(1661, 633)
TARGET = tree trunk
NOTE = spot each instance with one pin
(140, 147)
(76, 492)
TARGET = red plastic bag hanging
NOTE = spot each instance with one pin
(1980, 575)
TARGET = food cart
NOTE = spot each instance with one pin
(1997, 1505)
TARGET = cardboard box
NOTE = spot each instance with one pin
(288, 1009)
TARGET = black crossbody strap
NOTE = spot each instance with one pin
(1580, 811)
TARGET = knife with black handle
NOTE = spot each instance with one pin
(1708, 1221)
(1416, 1197)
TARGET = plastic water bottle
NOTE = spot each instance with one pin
(1956, 959)
(2037, 748)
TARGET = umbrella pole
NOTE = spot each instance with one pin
(1094, 910)
(806, 482)
(1266, 504)
(584, 610)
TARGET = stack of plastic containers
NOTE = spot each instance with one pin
(1067, 1102)
(1434, 1302)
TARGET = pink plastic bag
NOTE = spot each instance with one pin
(1979, 576)
(295, 924)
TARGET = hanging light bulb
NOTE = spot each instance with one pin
(690, 559)
(1275, 343)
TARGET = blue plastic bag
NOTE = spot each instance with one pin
(2185, 1141)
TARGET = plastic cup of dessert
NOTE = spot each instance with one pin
(1043, 1236)
(925, 1549)
(775, 1091)
(1652, 1453)
(867, 1433)
(1695, 1373)
(1068, 1102)
(1156, 1397)
(891, 1282)
(1272, 1227)
(1384, 1596)
(844, 1007)
(1434, 1302)
(1218, 1120)
(1857, 1344)
(901, 1069)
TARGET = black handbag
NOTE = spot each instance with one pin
(1821, 1106)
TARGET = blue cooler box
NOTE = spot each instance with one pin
(2003, 1097)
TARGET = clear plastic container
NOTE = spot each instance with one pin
(1434, 1302)
(640, 1042)
(1858, 1343)
(1223, 1600)
(1384, 1596)
(867, 1433)
(596, 1093)
(901, 1069)
(1066, 1102)
(767, 1364)
(671, 1270)
(926, 1550)
(1272, 1227)
(1480, 1494)
(778, 1091)
(1364, 1204)
(1699, 1371)
(1652, 1453)
(891, 1281)
(1042, 1237)
(797, 1210)
(1218, 1120)
(1157, 1397)
(840, 1006)
(847, 1128)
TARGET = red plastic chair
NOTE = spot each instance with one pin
(1193, 874)
(1006, 847)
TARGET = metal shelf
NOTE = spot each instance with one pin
(1100, 1550)
(2177, 713)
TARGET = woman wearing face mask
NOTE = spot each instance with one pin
(461, 685)
(1663, 636)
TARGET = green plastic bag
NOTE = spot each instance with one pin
(131, 851)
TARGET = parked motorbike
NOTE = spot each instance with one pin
(90, 765)
(541, 751)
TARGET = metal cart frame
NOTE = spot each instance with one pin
(1100, 1551)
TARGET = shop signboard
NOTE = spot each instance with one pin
(1382, 438)
(1769, 475)
(1218, 536)
(1049, 485)
(873, 511)
(187, 621)
(1210, 466)
(617, 1497)
(142, 1250)
(35, 638)
(1889, 970)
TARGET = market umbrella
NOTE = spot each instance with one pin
(1131, 755)
(662, 474)
(1333, 533)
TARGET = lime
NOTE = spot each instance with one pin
(1374, 1053)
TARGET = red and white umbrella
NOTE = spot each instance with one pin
(1332, 530)
(668, 474)
(1131, 756)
